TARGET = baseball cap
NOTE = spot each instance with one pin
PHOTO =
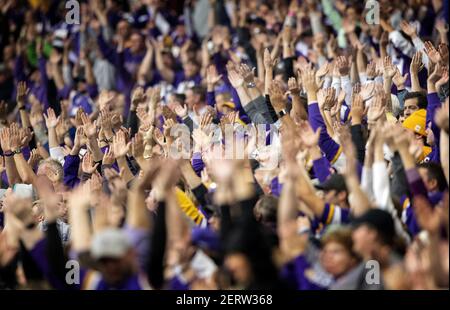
(379, 220)
(111, 243)
(417, 122)
(334, 182)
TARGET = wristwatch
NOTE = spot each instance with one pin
(282, 113)
(251, 85)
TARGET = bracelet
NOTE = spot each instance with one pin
(18, 151)
(8, 154)
(22, 108)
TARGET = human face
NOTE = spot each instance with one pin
(116, 270)
(411, 106)
(190, 69)
(364, 241)
(334, 197)
(430, 184)
(191, 98)
(335, 259)
(123, 28)
(239, 267)
(173, 102)
(136, 43)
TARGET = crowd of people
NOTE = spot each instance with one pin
(224, 144)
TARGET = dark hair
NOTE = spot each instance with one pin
(266, 209)
(199, 90)
(435, 172)
(421, 98)
(180, 97)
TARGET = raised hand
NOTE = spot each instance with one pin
(247, 73)
(357, 110)
(409, 29)
(181, 111)
(343, 65)
(443, 51)
(235, 78)
(51, 121)
(25, 135)
(389, 70)
(108, 157)
(326, 98)
(432, 52)
(87, 164)
(201, 139)
(336, 108)
(120, 145)
(138, 96)
(399, 80)
(309, 80)
(153, 96)
(104, 99)
(437, 73)
(377, 108)
(206, 121)
(167, 127)
(105, 121)
(293, 86)
(143, 116)
(277, 96)
(308, 137)
(367, 91)
(441, 26)
(323, 70)
(16, 139)
(90, 130)
(34, 159)
(79, 138)
(416, 63)
(4, 139)
(22, 92)
(212, 77)
(116, 121)
(269, 62)
(137, 146)
(371, 70)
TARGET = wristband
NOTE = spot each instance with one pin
(8, 154)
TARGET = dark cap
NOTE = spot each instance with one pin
(379, 220)
(335, 181)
